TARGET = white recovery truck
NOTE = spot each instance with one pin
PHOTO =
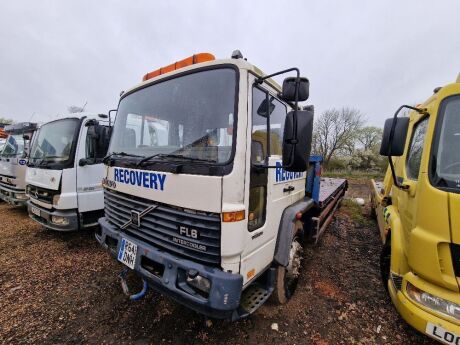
(217, 215)
(13, 162)
(65, 171)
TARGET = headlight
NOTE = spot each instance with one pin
(21, 197)
(56, 199)
(433, 302)
(198, 282)
(59, 220)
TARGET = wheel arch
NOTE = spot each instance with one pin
(286, 230)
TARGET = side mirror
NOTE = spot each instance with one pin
(26, 137)
(93, 131)
(394, 146)
(264, 107)
(82, 162)
(289, 86)
(298, 131)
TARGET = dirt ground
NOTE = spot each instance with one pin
(63, 288)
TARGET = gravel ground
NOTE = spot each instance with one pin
(63, 288)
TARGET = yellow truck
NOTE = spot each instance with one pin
(418, 211)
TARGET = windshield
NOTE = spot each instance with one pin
(14, 145)
(191, 116)
(54, 141)
(447, 153)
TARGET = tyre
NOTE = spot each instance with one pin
(385, 264)
(287, 277)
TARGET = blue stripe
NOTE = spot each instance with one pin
(122, 249)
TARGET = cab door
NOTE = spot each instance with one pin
(409, 174)
(270, 189)
(90, 169)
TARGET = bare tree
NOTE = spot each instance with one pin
(336, 131)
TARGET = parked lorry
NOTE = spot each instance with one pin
(13, 162)
(65, 171)
(217, 215)
(418, 212)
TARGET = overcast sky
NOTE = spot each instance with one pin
(371, 55)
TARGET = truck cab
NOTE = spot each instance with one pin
(13, 162)
(418, 212)
(212, 215)
(65, 171)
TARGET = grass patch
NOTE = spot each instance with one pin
(356, 174)
(355, 212)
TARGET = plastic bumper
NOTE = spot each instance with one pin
(225, 292)
(416, 316)
(46, 217)
(16, 197)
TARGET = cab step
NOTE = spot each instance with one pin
(255, 295)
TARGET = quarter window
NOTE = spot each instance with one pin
(414, 157)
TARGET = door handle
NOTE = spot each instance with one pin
(288, 189)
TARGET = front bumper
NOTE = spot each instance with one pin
(416, 316)
(224, 295)
(12, 196)
(45, 217)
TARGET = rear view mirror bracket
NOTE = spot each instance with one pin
(396, 181)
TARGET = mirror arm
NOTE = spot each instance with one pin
(261, 79)
(390, 140)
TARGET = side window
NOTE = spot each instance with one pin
(414, 156)
(98, 148)
(266, 107)
(267, 112)
(89, 152)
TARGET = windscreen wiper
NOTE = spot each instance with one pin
(123, 154)
(172, 155)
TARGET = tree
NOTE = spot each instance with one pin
(369, 137)
(5, 121)
(336, 131)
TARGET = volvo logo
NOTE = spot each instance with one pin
(136, 217)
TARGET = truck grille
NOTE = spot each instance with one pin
(41, 194)
(161, 227)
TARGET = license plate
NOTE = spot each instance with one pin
(127, 253)
(35, 210)
(441, 334)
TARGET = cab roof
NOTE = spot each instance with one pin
(240, 63)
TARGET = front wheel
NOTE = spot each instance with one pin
(385, 264)
(288, 277)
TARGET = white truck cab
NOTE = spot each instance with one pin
(212, 215)
(65, 172)
(13, 162)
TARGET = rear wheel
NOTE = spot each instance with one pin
(385, 264)
(288, 277)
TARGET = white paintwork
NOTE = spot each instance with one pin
(241, 251)
(88, 178)
(81, 187)
(44, 178)
(13, 170)
(182, 190)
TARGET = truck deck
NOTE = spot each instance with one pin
(330, 189)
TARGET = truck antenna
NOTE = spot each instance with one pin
(83, 108)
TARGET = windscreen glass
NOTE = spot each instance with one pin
(54, 141)
(190, 116)
(14, 145)
(447, 153)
